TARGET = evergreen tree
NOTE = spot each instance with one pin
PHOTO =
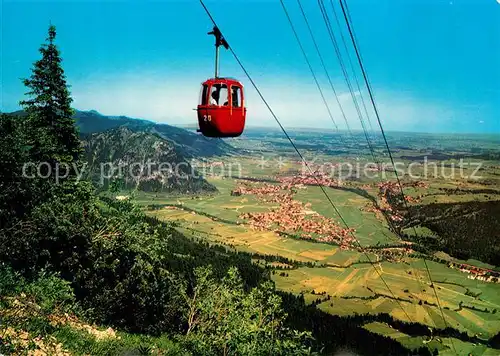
(54, 134)
(16, 192)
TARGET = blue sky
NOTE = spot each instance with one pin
(434, 65)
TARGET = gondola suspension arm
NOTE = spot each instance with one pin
(219, 40)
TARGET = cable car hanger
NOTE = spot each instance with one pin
(221, 110)
(219, 41)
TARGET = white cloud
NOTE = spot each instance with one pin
(163, 99)
(347, 97)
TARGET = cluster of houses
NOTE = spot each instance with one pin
(292, 216)
(392, 254)
(261, 191)
(417, 184)
(477, 273)
(411, 199)
(389, 187)
(392, 189)
(310, 179)
(387, 208)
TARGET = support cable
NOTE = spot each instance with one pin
(372, 99)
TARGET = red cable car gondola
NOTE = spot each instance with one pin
(221, 110)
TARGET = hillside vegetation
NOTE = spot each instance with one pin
(140, 160)
(466, 230)
(188, 143)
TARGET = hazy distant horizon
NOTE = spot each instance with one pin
(249, 126)
(330, 130)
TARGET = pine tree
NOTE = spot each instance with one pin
(54, 135)
(15, 190)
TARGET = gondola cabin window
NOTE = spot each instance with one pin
(203, 95)
(236, 96)
(219, 95)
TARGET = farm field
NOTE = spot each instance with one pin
(377, 272)
(354, 289)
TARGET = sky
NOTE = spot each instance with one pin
(434, 65)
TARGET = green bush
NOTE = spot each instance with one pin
(47, 290)
(26, 305)
(223, 319)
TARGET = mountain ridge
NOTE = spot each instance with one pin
(140, 160)
(139, 154)
(190, 144)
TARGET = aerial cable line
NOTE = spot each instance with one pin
(358, 87)
(390, 154)
(310, 67)
(360, 94)
(324, 66)
(352, 66)
(322, 63)
(352, 28)
(307, 165)
(339, 57)
(321, 58)
(346, 76)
